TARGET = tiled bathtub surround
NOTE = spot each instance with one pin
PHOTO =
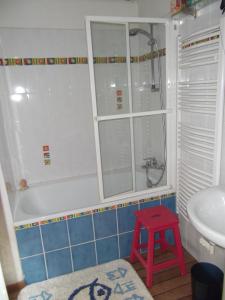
(63, 245)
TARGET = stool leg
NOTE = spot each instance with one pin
(179, 250)
(163, 243)
(136, 241)
(150, 259)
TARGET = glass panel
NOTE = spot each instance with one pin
(148, 66)
(150, 151)
(110, 67)
(115, 144)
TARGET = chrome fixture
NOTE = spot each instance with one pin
(152, 163)
(152, 42)
(135, 31)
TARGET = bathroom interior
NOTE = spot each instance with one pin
(106, 107)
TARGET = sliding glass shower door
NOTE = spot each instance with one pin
(127, 70)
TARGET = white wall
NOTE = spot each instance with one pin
(50, 86)
(154, 8)
(65, 14)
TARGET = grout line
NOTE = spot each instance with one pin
(84, 243)
(122, 233)
(117, 230)
(71, 256)
(38, 254)
(58, 249)
(93, 228)
(46, 268)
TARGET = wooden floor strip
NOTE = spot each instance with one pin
(176, 293)
(168, 284)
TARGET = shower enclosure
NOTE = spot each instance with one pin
(129, 83)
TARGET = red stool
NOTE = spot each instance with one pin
(157, 219)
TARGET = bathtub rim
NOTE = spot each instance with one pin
(163, 191)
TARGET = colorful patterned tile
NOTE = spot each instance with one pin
(38, 61)
(18, 61)
(127, 204)
(111, 60)
(78, 60)
(51, 61)
(103, 209)
(27, 61)
(26, 226)
(78, 215)
(55, 220)
(61, 60)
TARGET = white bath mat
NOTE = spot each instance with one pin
(115, 280)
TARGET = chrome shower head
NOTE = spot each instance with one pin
(135, 31)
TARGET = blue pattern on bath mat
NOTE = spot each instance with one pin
(124, 288)
(42, 296)
(116, 274)
(135, 297)
(104, 290)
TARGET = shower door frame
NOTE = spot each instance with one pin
(170, 110)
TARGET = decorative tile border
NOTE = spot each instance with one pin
(94, 211)
(78, 215)
(54, 220)
(152, 55)
(27, 226)
(127, 204)
(205, 40)
(78, 60)
(102, 209)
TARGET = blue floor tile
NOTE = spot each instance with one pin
(105, 224)
(170, 237)
(107, 249)
(29, 241)
(58, 262)
(84, 256)
(81, 230)
(55, 236)
(34, 269)
(144, 238)
(125, 241)
(126, 218)
(150, 204)
(170, 203)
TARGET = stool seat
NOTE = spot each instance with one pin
(155, 217)
(157, 220)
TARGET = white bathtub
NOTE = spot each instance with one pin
(55, 198)
(48, 201)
